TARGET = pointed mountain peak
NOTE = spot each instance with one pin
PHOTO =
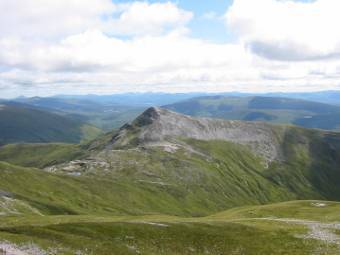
(149, 116)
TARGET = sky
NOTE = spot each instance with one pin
(50, 47)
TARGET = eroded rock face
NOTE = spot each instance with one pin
(156, 125)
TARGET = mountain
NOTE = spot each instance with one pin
(168, 183)
(328, 97)
(22, 123)
(104, 111)
(112, 111)
(271, 109)
(100, 112)
(196, 166)
(136, 99)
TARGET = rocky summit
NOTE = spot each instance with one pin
(157, 125)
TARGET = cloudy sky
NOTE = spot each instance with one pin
(108, 46)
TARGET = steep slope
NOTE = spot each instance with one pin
(215, 163)
(271, 109)
(158, 125)
(21, 123)
(39, 154)
(165, 162)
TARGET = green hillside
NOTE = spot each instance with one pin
(122, 174)
(226, 233)
(40, 154)
(272, 109)
(151, 188)
(105, 113)
(20, 123)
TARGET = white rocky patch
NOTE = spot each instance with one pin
(152, 223)
(319, 204)
(8, 248)
(316, 230)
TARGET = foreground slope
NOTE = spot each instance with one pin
(20, 123)
(259, 108)
(261, 231)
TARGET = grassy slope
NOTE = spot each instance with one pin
(24, 124)
(221, 175)
(225, 233)
(304, 210)
(39, 155)
(218, 176)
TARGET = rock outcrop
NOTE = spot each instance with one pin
(159, 125)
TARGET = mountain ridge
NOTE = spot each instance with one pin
(157, 125)
(22, 123)
(276, 110)
(153, 166)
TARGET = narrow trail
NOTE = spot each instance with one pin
(317, 230)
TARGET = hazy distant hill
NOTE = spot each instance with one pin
(22, 123)
(112, 111)
(272, 109)
(100, 112)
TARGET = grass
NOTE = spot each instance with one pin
(39, 155)
(150, 201)
(223, 233)
(214, 176)
(24, 124)
(324, 211)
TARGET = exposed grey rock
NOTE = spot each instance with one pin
(5, 194)
(157, 125)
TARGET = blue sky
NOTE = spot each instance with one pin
(212, 29)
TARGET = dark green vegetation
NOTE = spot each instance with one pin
(113, 195)
(105, 115)
(21, 123)
(272, 109)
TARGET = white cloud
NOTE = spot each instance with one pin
(96, 46)
(43, 19)
(51, 18)
(287, 30)
(140, 18)
(171, 58)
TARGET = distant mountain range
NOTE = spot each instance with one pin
(112, 111)
(148, 99)
(258, 108)
(79, 118)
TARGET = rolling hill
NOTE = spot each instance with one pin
(100, 112)
(172, 184)
(272, 109)
(21, 123)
